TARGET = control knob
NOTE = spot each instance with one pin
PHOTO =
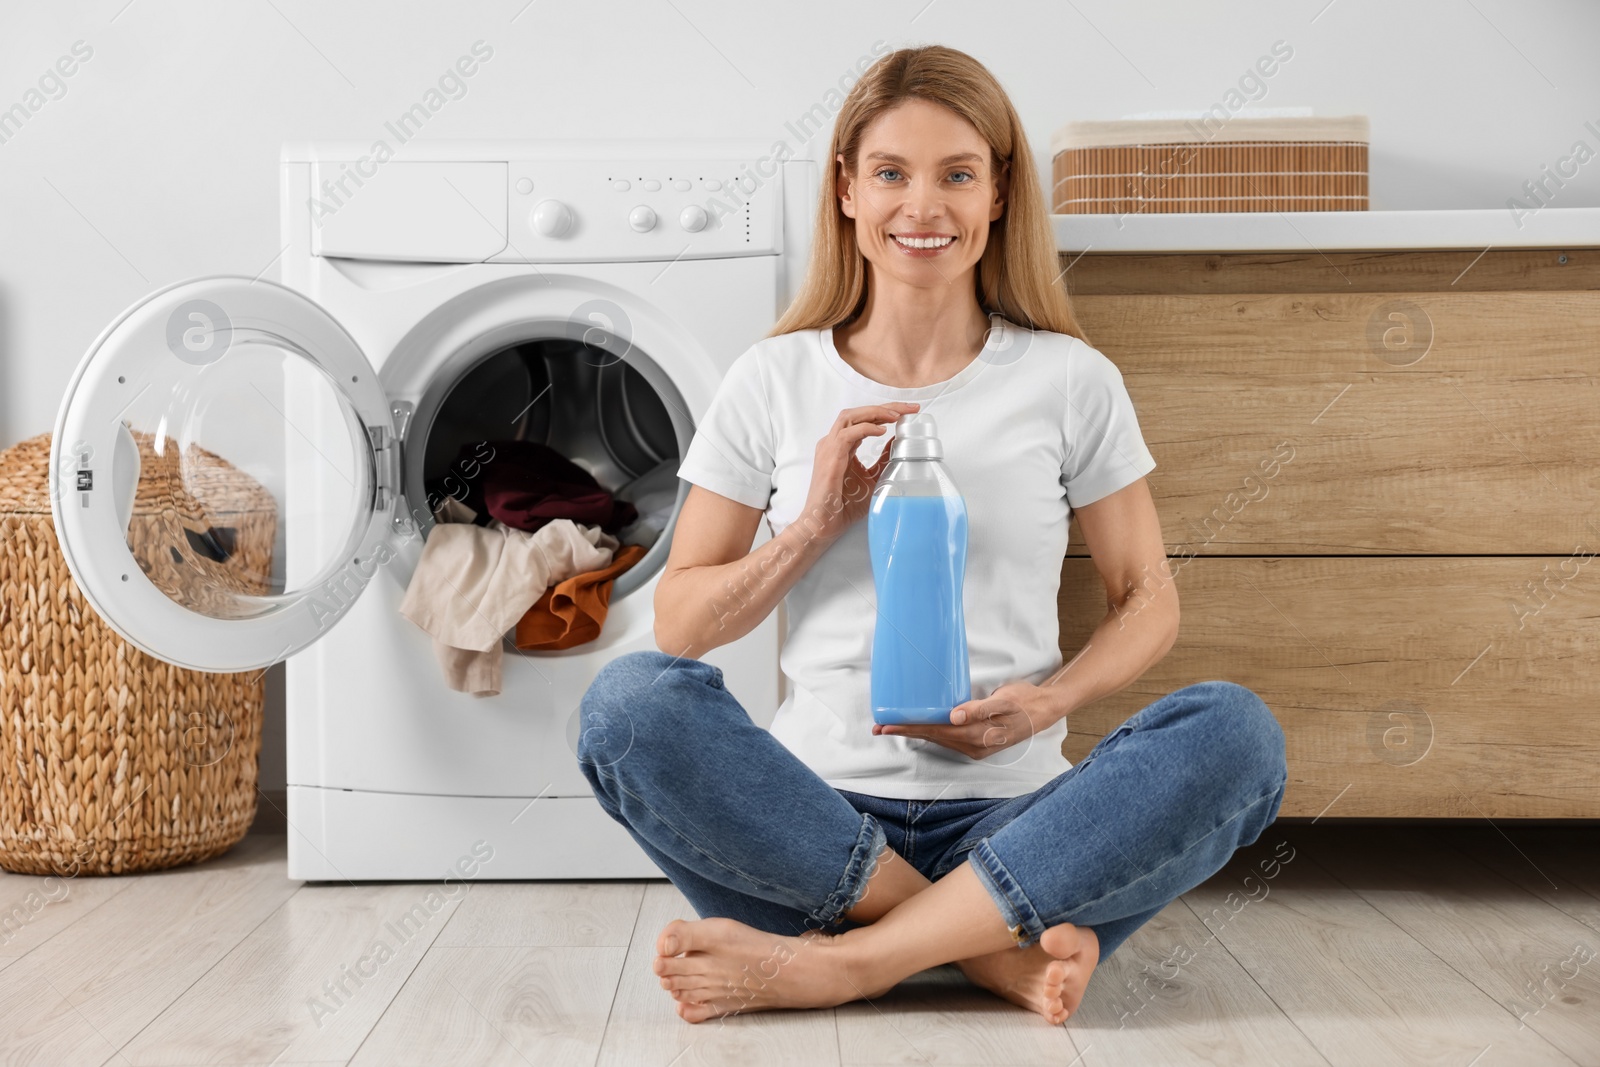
(552, 218)
(693, 218)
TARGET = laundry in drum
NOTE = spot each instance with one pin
(452, 510)
(473, 583)
(655, 495)
(573, 612)
(526, 484)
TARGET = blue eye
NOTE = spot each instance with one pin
(880, 173)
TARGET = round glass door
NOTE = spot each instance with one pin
(223, 473)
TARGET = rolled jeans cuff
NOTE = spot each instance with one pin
(870, 841)
(1015, 907)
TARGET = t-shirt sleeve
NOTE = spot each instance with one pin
(1105, 450)
(731, 453)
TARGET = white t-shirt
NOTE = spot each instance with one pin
(1038, 423)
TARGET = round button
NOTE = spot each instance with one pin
(712, 184)
(621, 185)
(551, 218)
(693, 218)
(524, 186)
(651, 185)
(682, 185)
(642, 219)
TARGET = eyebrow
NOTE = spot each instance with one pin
(960, 157)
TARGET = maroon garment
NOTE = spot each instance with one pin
(525, 484)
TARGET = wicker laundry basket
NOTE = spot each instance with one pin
(115, 761)
(1142, 166)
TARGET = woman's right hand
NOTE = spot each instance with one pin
(841, 488)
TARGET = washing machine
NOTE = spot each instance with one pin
(294, 439)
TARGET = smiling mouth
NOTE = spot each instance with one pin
(922, 242)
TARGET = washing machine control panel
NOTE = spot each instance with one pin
(546, 209)
(576, 210)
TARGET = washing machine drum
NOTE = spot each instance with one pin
(598, 409)
(588, 404)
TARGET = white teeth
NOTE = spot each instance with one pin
(922, 242)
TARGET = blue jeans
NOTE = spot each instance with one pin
(747, 831)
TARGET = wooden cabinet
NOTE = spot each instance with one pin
(1378, 476)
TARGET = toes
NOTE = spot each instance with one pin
(668, 966)
(702, 935)
(696, 1013)
(1062, 941)
(673, 938)
(1052, 1004)
(694, 989)
(1057, 981)
(683, 985)
(1077, 952)
(698, 994)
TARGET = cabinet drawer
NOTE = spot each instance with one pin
(1391, 423)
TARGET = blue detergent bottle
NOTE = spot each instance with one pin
(917, 535)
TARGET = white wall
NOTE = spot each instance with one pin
(158, 160)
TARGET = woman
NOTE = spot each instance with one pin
(832, 857)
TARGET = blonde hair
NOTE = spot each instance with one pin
(1015, 277)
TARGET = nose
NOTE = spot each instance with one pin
(924, 201)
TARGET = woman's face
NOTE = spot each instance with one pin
(923, 173)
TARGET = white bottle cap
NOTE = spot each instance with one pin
(916, 436)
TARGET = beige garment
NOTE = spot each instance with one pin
(473, 583)
(451, 509)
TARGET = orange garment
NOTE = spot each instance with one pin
(572, 611)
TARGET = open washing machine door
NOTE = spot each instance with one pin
(212, 425)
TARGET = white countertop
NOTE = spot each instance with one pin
(1326, 231)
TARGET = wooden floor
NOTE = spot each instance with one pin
(1320, 944)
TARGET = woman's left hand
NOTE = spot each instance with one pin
(979, 728)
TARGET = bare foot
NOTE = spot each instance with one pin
(1048, 977)
(718, 967)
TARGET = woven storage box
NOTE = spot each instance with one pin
(115, 761)
(1140, 166)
